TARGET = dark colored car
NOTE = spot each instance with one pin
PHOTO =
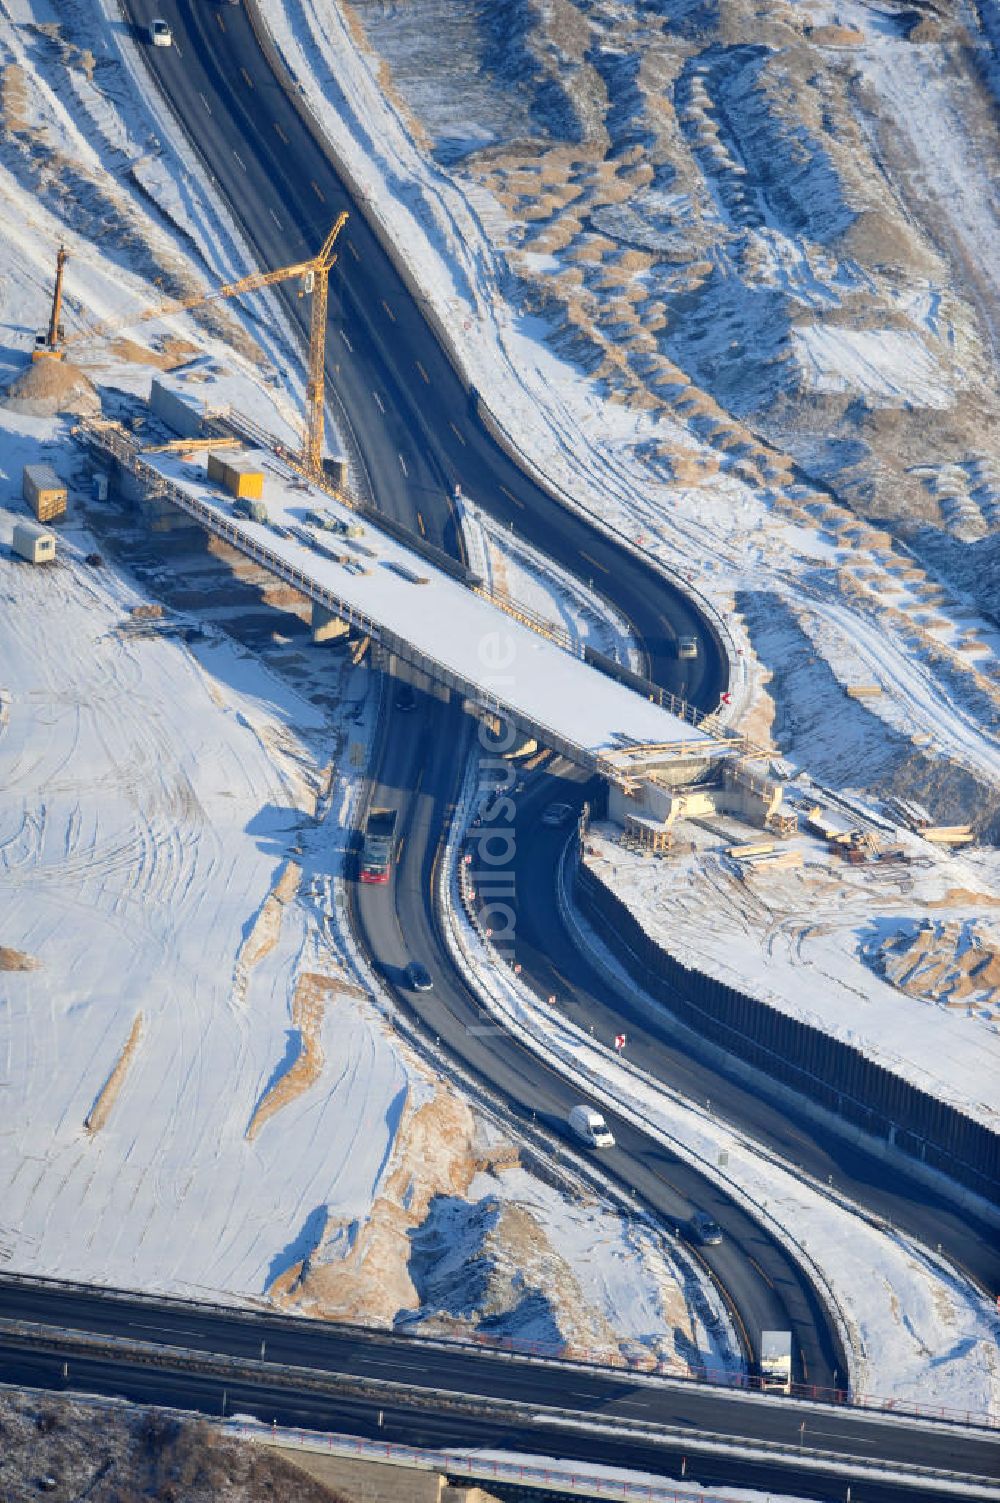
(705, 1231)
(419, 977)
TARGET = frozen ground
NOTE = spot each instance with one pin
(190, 1035)
(914, 1329)
(801, 940)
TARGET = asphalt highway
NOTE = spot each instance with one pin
(607, 1398)
(411, 418)
(405, 401)
(419, 437)
(554, 964)
(418, 773)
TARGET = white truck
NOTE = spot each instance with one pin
(776, 1361)
(590, 1127)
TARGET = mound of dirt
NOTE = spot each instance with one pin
(46, 387)
(17, 960)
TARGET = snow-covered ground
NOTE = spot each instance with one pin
(215, 803)
(914, 1329)
(800, 939)
(203, 1090)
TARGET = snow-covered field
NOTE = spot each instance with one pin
(174, 815)
(203, 1090)
(915, 1330)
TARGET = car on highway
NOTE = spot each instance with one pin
(557, 815)
(687, 647)
(418, 977)
(590, 1127)
(705, 1231)
(160, 34)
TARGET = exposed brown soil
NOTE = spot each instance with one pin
(46, 387)
(118, 1453)
(17, 960)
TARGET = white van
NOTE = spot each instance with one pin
(590, 1127)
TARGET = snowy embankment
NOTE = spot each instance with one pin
(204, 1092)
(915, 1331)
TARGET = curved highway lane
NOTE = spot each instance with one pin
(410, 415)
(766, 1289)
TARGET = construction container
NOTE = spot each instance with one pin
(36, 544)
(182, 413)
(43, 491)
(241, 475)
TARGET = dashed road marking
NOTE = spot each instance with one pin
(218, 17)
(603, 567)
(350, 247)
(246, 78)
(348, 343)
(240, 160)
(279, 132)
(420, 524)
(511, 497)
(457, 434)
(423, 373)
(205, 103)
(378, 399)
(402, 466)
(317, 190)
(388, 310)
(276, 219)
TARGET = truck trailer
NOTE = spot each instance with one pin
(776, 1361)
(379, 845)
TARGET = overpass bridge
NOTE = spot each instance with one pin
(425, 610)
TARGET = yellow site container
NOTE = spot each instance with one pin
(241, 477)
(44, 492)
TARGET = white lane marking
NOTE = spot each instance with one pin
(402, 463)
(276, 219)
(205, 103)
(379, 401)
(240, 160)
(347, 341)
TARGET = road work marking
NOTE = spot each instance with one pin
(388, 310)
(457, 434)
(379, 401)
(246, 78)
(205, 103)
(348, 343)
(276, 219)
(426, 377)
(402, 466)
(420, 524)
(753, 1262)
(603, 567)
(350, 247)
(317, 190)
(511, 497)
(240, 160)
(280, 133)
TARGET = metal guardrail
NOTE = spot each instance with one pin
(743, 1382)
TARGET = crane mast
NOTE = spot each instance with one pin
(315, 275)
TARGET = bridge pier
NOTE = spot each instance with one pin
(326, 626)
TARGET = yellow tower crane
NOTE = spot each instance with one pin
(315, 275)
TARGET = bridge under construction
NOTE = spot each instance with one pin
(424, 608)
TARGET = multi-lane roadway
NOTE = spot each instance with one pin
(419, 436)
(438, 1394)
